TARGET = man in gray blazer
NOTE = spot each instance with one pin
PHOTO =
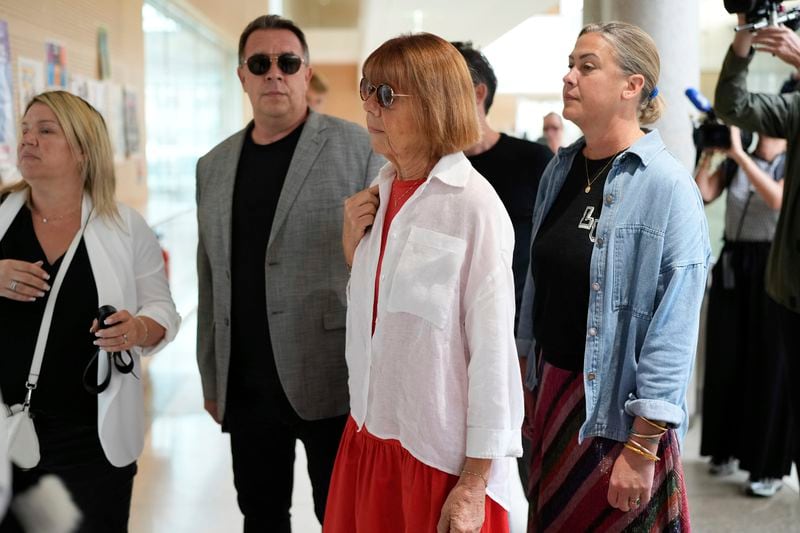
(271, 313)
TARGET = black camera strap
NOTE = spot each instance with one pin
(115, 359)
(728, 275)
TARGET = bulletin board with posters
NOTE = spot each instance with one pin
(79, 47)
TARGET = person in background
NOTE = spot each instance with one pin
(513, 167)
(610, 314)
(90, 437)
(271, 306)
(317, 92)
(435, 387)
(552, 132)
(743, 348)
(776, 116)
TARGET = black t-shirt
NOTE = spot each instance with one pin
(560, 259)
(253, 376)
(64, 413)
(513, 167)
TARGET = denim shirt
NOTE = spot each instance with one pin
(647, 279)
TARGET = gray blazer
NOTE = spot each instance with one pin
(304, 268)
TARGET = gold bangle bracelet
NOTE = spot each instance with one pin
(477, 474)
(146, 331)
(658, 427)
(641, 446)
(652, 438)
(649, 456)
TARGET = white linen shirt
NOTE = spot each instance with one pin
(440, 374)
(128, 269)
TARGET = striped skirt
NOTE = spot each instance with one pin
(569, 481)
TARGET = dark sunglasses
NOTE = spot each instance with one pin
(259, 64)
(383, 92)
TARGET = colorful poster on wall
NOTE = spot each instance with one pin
(31, 80)
(131, 103)
(103, 57)
(56, 65)
(8, 129)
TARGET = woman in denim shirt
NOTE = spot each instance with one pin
(610, 313)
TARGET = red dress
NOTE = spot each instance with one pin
(377, 485)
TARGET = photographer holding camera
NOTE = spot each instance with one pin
(776, 116)
(742, 348)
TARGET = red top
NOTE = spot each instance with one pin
(402, 190)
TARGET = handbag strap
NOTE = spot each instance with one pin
(47, 318)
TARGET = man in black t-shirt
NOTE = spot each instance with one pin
(272, 304)
(513, 167)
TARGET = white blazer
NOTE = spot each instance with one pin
(129, 272)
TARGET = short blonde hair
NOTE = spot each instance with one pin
(636, 53)
(433, 71)
(87, 137)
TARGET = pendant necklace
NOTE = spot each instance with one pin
(47, 220)
(589, 182)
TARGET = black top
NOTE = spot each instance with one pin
(253, 378)
(513, 167)
(560, 259)
(59, 401)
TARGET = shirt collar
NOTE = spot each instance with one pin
(646, 148)
(450, 170)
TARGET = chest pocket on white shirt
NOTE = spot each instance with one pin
(427, 274)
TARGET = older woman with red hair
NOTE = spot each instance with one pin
(435, 388)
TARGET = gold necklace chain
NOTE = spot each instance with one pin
(47, 220)
(405, 194)
(586, 167)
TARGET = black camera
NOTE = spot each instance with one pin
(762, 13)
(710, 132)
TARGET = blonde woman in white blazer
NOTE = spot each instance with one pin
(90, 438)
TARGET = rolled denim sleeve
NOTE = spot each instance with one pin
(668, 352)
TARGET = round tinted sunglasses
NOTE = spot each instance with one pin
(259, 64)
(383, 93)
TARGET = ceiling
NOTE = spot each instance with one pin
(328, 22)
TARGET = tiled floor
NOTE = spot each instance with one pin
(185, 484)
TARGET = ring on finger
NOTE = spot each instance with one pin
(13, 285)
(634, 502)
(125, 336)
